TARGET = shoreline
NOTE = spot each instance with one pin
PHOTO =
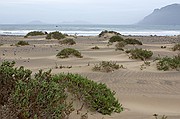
(99, 32)
(93, 30)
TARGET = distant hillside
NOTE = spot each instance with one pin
(75, 22)
(168, 15)
(36, 22)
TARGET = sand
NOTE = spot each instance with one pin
(141, 92)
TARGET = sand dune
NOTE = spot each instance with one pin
(142, 92)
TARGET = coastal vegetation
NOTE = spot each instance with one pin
(44, 95)
(168, 63)
(120, 45)
(132, 41)
(140, 54)
(123, 41)
(22, 43)
(106, 66)
(176, 47)
(55, 35)
(105, 32)
(94, 95)
(115, 39)
(65, 53)
(67, 41)
(34, 33)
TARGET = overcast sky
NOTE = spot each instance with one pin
(93, 11)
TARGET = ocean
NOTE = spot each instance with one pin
(92, 30)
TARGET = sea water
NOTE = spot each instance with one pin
(92, 29)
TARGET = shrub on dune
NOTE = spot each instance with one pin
(55, 35)
(176, 47)
(65, 53)
(97, 96)
(116, 39)
(168, 63)
(105, 32)
(132, 41)
(106, 66)
(34, 33)
(67, 41)
(22, 43)
(140, 54)
(46, 95)
(120, 45)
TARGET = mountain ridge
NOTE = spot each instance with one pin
(168, 15)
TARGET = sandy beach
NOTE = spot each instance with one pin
(142, 92)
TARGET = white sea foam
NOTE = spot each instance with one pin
(92, 30)
(94, 33)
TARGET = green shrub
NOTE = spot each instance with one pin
(95, 95)
(68, 41)
(104, 32)
(22, 43)
(8, 77)
(65, 53)
(132, 41)
(120, 45)
(1, 44)
(95, 48)
(34, 33)
(41, 98)
(55, 35)
(106, 66)
(45, 95)
(168, 63)
(140, 54)
(116, 39)
(176, 47)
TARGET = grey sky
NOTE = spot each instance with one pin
(93, 11)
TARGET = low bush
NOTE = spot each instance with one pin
(116, 39)
(95, 48)
(65, 53)
(45, 95)
(140, 54)
(68, 41)
(106, 66)
(120, 45)
(105, 32)
(55, 35)
(95, 95)
(8, 77)
(176, 47)
(22, 43)
(132, 41)
(34, 33)
(41, 98)
(168, 63)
